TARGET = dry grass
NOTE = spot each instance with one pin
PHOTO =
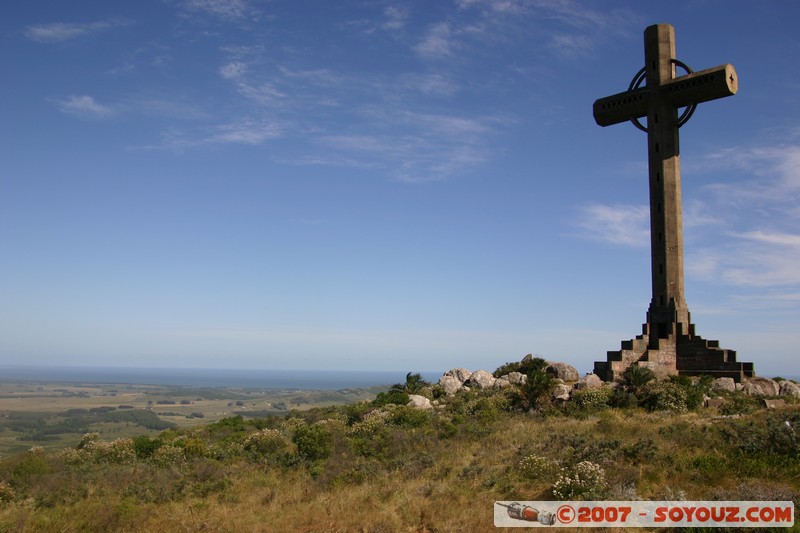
(417, 474)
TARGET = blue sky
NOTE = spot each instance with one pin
(380, 185)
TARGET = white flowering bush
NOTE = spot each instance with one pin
(169, 455)
(223, 451)
(586, 480)
(294, 423)
(665, 396)
(91, 448)
(367, 427)
(6, 492)
(536, 467)
(592, 398)
(36, 450)
(71, 456)
(382, 413)
(87, 439)
(267, 442)
(333, 424)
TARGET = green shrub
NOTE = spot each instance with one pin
(776, 435)
(640, 451)
(696, 389)
(664, 396)
(621, 397)
(390, 397)
(145, 447)
(507, 368)
(636, 377)
(447, 429)
(738, 404)
(527, 365)
(406, 416)
(355, 412)
(535, 390)
(314, 443)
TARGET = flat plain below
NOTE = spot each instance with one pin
(56, 414)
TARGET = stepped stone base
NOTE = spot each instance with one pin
(674, 353)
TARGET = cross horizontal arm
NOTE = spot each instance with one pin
(702, 86)
(695, 88)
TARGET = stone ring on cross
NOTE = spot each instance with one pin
(640, 77)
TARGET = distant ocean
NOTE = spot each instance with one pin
(212, 377)
(216, 377)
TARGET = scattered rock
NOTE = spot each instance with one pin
(761, 387)
(724, 384)
(562, 371)
(740, 386)
(450, 384)
(419, 402)
(723, 417)
(517, 378)
(501, 382)
(481, 379)
(715, 402)
(789, 388)
(561, 392)
(461, 374)
(589, 381)
(773, 404)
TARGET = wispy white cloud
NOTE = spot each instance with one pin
(430, 84)
(396, 18)
(438, 43)
(246, 131)
(233, 70)
(777, 166)
(419, 147)
(163, 106)
(224, 9)
(739, 248)
(571, 45)
(567, 28)
(772, 238)
(411, 158)
(698, 214)
(84, 107)
(56, 32)
(626, 225)
(146, 103)
(758, 258)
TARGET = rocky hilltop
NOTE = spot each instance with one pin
(566, 380)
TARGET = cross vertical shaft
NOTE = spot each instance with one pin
(668, 344)
(668, 305)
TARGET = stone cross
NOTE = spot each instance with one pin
(659, 101)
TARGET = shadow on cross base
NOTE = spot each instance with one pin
(672, 348)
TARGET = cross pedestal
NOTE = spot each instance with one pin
(668, 344)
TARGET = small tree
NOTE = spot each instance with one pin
(636, 377)
(537, 388)
(632, 387)
(413, 385)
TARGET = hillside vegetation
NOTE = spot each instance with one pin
(383, 466)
